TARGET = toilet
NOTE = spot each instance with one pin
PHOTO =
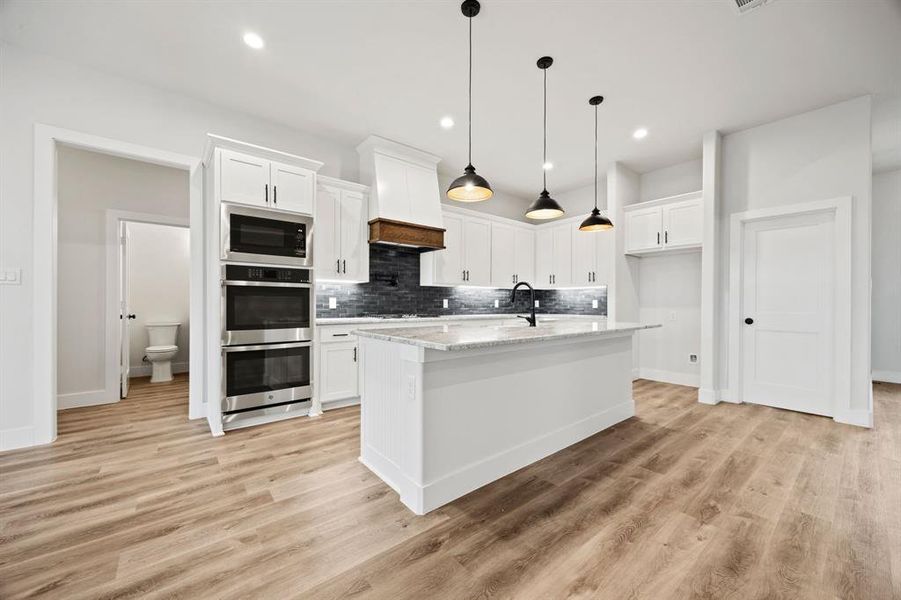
(162, 350)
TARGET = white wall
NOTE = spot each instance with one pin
(159, 277)
(887, 276)
(89, 184)
(816, 155)
(37, 89)
(676, 179)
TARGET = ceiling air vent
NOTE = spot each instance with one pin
(743, 6)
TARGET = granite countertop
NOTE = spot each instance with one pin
(445, 318)
(469, 337)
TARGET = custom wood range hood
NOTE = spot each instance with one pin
(405, 201)
(400, 233)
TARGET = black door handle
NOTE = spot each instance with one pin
(749, 321)
(132, 316)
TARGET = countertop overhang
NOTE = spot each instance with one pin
(451, 338)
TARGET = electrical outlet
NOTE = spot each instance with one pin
(692, 358)
(444, 303)
(332, 302)
(537, 302)
(594, 304)
(497, 303)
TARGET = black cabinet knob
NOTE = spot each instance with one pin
(749, 321)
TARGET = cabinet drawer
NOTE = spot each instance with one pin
(338, 333)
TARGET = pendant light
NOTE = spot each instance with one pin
(470, 187)
(544, 207)
(596, 221)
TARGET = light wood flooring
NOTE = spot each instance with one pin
(682, 501)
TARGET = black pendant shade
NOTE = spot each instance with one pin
(544, 207)
(470, 187)
(596, 221)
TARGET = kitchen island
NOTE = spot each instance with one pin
(447, 409)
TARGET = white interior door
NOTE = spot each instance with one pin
(788, 266)
(124, 312)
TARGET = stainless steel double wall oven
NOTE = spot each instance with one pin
(267, 313)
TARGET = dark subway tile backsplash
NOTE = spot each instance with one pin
(394, 289)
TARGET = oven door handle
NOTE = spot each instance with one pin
(267, 347)
(266, 284)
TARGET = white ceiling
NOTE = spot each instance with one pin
(349, 68)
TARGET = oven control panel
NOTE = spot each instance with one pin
(272, 274)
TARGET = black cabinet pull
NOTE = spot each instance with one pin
(338, 266)
(340, 334)
(275, 194)
(355, 354)
(266, 191)
(344, 265)
(666, 237)
(658, 238)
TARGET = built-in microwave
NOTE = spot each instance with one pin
(265, 305)
(267, 236)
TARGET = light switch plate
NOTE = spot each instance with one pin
(536, 303)
(444, 303)
(10, 276)
(332, 302)
(496, 303)
(594, 304)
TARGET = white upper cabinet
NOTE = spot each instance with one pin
(667, 224)
(553, 256)
(644, 229)
(524, 251)
(563, 241)
(503, 255)
(256, 180)
(544, 258)
(477, 254)
(585, 257)
(340, 237)
(243, 178)
(466, 258)
(512, 254)
(682, 224)
(605, 247)
(292, 188)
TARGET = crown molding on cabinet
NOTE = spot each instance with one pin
(217, 141)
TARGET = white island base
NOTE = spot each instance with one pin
(438, 424)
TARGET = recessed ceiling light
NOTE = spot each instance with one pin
(640, 133)
(447, 122)
(253, 40)
(547, 166)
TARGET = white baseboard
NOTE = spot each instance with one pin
(144, 370)
(636, 373)
(17, 437)
(89, 398)
(887, 376)
(861, 418)
(708, 396)
(424, 498)
(674, 377)
(331, 405)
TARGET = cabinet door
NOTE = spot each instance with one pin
(449, 262)
(525, 255)
(503, 255)
(326, 234)
(584, 257)
(605, 246)
(563, 241)
(644, 229)
(339, 371)
(292, 188)
(477, 251)
(682, 224)
(243, 178)
(352, 227)
(544, 258)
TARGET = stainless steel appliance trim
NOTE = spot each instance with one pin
(265, 284)
(236, 420)
(256, 347)
(232, 403)
(228, 209)
(266, 336)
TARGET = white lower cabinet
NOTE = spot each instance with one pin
(338, 372)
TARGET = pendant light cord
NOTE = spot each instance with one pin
(544, 151)
(470, 90)
(595, 156)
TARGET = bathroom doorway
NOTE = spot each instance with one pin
(154, 300)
